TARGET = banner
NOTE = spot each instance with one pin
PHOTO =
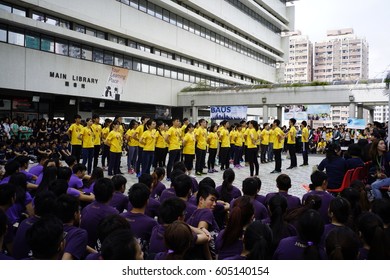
(228, 112)
(115, 83)
(318, 112)
(297, 112)
(356, 123)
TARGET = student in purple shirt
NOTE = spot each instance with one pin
(229, 240)
(49, 175)
(93, 213)
(121, 245)
(249, 188)
(76, 180)
(256, 243)
(205, 181)
(153, 204)
(355, 160)
(38, 169)
(260, 198)
(7, 198)
(97, 173)
(170, 192)
(76, 239)
(119, 200)
(181, 166)
(3, 230)
(182, 185)
(227, 192)
(319, 183)
(305, 246)
(283, 183)
(24, 161)
(141, 224)
(46, 238)
(158, 187)
(11, 167)
(342, 243)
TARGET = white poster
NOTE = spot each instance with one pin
(228, 112)
(356, 123)
(115, 83)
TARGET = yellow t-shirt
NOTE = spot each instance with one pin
(130, 140)
(225, 139)
(189, 144)
(279, 138)
(252, 138)
(292, 133)
(87, 137)
(265, 135)
(245, 132)
(105, 132)
(75, 130)
(97, 132)
(114, 140)
(149, 138)
(201, 137)
(183, 128)
(321, 145)
(305, 135)
(139, 131)
(212, 139)
(233, 135)
(271, 136)
(174, 138)
(160, 141)
(239, 138)
(328, 136)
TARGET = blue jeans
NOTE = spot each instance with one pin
(132, 153)
(147, 160)
(87, 154)
(270, 155)
(377, 185)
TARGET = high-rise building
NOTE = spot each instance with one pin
(133, 54)
(299, 68)
(381, 114)
(343, 56)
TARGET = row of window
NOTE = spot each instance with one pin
(174, 19)
(38, 41)
(49, 19)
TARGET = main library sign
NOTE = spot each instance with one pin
(75, 79)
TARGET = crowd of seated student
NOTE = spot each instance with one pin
(194, 221)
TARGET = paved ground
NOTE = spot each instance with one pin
(299, 176)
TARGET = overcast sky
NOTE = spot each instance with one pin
(369, 19)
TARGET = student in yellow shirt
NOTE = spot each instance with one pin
(278, 146)
(106, 148)
(291, 141)
(270, 155)
(97, 132)
(73, 132)
(161, 146)
(305, 143)
(238, 144)
(87, 136)
(132, 146)
(212, 141)
(139, 131)
(225, 145)
(252, 141)
(148, 139)
(189, 147)
(114, 140)
(201, 146)
(264, 142)
(173, 139)
(321, 146)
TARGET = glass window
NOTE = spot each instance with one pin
(185, 24)
(180, 75)
(118, 60)
(64, 23)
(158, 12)
(33, 41)
(208, 34)
(3, 33)
(108, 58)
(134, 3)
(97, 55)
(112, 38)
(17, 11)
(203, 32)
(191, 27)
(86, 52)
(100, 35)
(186, 76)
(153, 68)
(47, 44)
(79, 28)
(144, 66)
(142, 5)
(122, 41)
(38, 16)
(192, 78)
(127, 2)
(61, 47)
(132, 44)
(174, 73)
(136, 64)
(90, 32)
(52, 21)
(16, 36)
(167, 72)
(218, 38)
(151, 9)
(179, 21)
(5, 7)
(74, 50)
(165, 15)
(160, 70)
(197, 29)
(172, 19)
(127, 62)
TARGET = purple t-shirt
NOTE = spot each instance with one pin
(190, 209)
(89, 189)
(29, 175)
(5, 180)
(292, 201)
(151, 209)
(73, 192)
(234, 193)
(291, 248)
(75, 182)
(21, 249)
(205, 215)
(36, 170)
(192, 200)
(93, 257)
(260, 198)
(261, 211)
(91, 215)
(157, 240)
(75, 241)
(326, 198)
(119, 201)
(167, 193)
(39, 179)
(237, 258)
(14, 213)
(227, 251)
(195, 185)
(158, 189)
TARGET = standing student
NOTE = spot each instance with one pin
(264, 142)
(305, 143)
(132, 146)
(201, 145)
(106, 148)
(114, 140)
(252, 140)
(189, 148)
(173, 139)
(140, 129)
(148, 139)
(97, 132)
(87, 136)
(225, 145)
(161, 145)
(212, 141)
(238, 144)
(291, 140)
(73, 131)
(278, 146)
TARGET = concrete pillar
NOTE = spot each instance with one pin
(352, 110)
(360, 111)
(372, 115)
(265, 113)
(194, 117)
(279, 113)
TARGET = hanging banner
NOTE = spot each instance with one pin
(115, 83)
(228, 112)
(356, 123)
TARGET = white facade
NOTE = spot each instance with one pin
(70, 47)
(381, 114)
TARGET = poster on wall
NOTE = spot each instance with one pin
(228, 112)
(318, 112)
(356, 123)
(163, 113)
(115, 83)
(298, 112)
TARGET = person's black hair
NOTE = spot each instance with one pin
(304, 123)
(119, 181)
(120, 245)
(207, 181)
(257, 240)
(277, 122)
(179, 165)
(103, 190)
(97, 173)
(11, 167)
(317, 178)
(45, 203)
(78, 167)
(250, 186)
(277, 206)
(204, 192)
(70, 160)
(64, 173)
(77, 116)
(310, 230)
(59, 187)
(7, 194)
(178, 239)
(190, 125)
(175, 173)
(340, 209)
(138, 195)
(95, 116)
(170, 210)
(331, 151)
(228, 179)
(110, 224)
(149, 123)
(67, 206)
(182, 185)
(146, 179)
(355, 150)
(342, 243)
(283, 182)
(45, 236)
(49, 175)
(293, 121)
(212, 126)
(381, 207)
(353, 197)
(3, 223)
(23, 160)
